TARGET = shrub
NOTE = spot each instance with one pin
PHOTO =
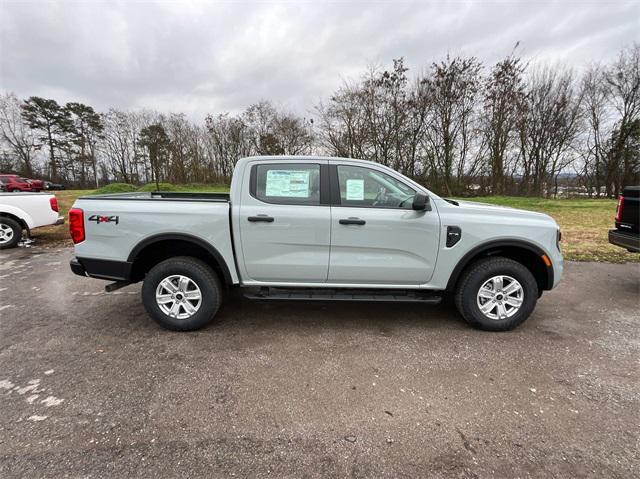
(115, 188)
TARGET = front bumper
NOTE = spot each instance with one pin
(625, 239)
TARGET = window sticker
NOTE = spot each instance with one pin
(355, 190)
(288, 183)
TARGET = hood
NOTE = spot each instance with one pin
(506, 211)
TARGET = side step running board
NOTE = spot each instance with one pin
(321, 294)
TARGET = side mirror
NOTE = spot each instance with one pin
(421, 202)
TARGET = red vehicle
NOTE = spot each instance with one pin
(15, 183)
(38, 185)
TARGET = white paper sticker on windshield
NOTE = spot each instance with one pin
(288, 183)
(355, 190)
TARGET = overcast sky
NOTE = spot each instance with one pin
(200, 57)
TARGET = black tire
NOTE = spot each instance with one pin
(200, 274)
(17, 232)
(475, 276)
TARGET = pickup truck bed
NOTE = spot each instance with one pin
(136, 215)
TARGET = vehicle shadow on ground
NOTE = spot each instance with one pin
(336, 314)
(238, 315)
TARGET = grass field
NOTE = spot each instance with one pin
(584, 222)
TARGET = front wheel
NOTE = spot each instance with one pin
(496, 294)
(181, 294)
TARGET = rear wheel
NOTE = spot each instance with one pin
(181, 294)
(496, 294)
(10, 232)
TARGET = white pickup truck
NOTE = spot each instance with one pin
(315, 228)
(23, 212)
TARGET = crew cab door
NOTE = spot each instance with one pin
(376, 236)
(285, 222)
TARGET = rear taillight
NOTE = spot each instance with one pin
(619, 209)
(54, 204)
(76, 225)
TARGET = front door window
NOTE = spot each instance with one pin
(365, 187)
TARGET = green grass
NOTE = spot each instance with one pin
(159, 187)
(584, 222)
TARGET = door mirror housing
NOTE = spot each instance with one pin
(421, 202)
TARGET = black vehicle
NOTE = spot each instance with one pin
(627, 232)
(48, 185)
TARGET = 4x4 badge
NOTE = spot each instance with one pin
(104, 219)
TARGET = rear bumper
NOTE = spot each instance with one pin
(77, 267)
(625, 239)
(101, 268)
(60, 220)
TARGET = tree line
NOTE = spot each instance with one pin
(458, 127)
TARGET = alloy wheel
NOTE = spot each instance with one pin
(500, 297)
(178, 296)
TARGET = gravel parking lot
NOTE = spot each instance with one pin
(90, 387)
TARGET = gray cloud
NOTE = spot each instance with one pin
(199, 57)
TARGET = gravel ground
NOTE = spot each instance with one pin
(90, 387)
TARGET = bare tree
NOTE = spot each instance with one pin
(452, 86)
(341, 123)
(504, 94)
(16, 134)
(547, 128)
(127, 158)
(623, 84)
(227, 141)
(597, 117)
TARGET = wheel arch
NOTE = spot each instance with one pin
(524, 252)
(11, 212)
(154, 249)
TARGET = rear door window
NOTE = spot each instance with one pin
(287, 184)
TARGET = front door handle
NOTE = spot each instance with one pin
(261, 218)
(352, 221)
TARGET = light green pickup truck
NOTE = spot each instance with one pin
(317, 229)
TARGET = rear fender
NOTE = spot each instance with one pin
(22, 215)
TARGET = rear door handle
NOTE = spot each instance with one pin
(352, 221)
(261, 218)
